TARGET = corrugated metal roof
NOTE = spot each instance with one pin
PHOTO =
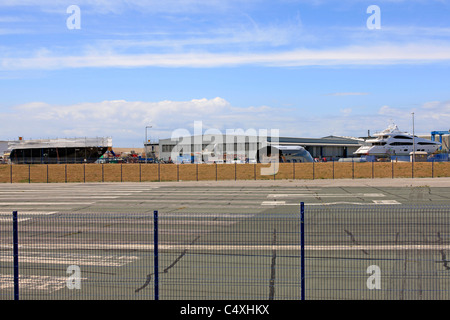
(60, 143)
(326, 141)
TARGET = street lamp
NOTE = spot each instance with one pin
(414, 146)
(146, 142)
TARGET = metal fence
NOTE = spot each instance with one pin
(77, 256)
(391, 252)
(349, 252)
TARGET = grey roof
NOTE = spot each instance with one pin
(325, 141)
(330, 141)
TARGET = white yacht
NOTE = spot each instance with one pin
(393, 142)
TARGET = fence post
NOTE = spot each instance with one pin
(10, 172)
(16, 256)
(155, 253)
(313, 170)
(293, 170)
(353, 168)
(432, 168)
(392, 169)
(333, 169)
(302, 249)
(274, 173)
(373, 174)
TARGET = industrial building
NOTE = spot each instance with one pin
(68, 150)
(330, 147)
(246, 148)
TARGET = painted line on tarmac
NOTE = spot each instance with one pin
(71, 259)
(386, 202)
(345, 195)
(278, 203)
(43, 283)
(63, 197)
(8, 215)
(40, 203)
(375, 202)
(206, 215)
(5, 213)
(133, 246)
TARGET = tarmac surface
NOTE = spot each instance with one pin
(222, 196)
(229, 239)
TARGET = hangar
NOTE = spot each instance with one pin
(330, 147)
(247, 148)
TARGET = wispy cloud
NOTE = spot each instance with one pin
(432, 115)
(340, 94)
(354, 55)
(120, 6)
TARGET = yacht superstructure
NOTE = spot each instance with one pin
(392, 141)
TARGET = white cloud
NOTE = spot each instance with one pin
(119, 6)
(432, 115)
(338, 94)
(126, 120)
(353, 55)
(346, 111)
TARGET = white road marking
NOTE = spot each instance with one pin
(308, 247)
(40, 203)
(20, 213)
(70, 259)
(8, 215)
(45, 283)
(337, 203)
(28, 197)
(375, 202)
(386, 202)
(345, 195)
(276, 203)
(227, 247)
(10, 219)
(206, 215)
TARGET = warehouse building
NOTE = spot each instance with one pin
(248, 148)
(330, 147)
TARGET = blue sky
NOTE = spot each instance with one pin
(307, 68)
